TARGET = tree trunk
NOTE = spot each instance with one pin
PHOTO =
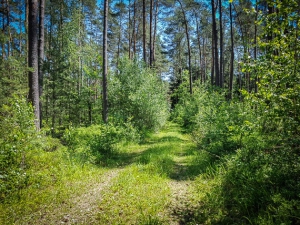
(150, 33)
(215, 39)
(212, 75)
(144, 32)
(26, 26)
(231, 54)
(129, 29)
(41, 51)
(221, 45)
(119, 38)
(204, 59)
(9, 48)
(154, 32)
(134, 25)
(199, 46)
(255, 46)
(104, 78)
(33, 76)
(3, 30)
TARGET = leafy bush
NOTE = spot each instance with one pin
(258, 181)
(139, 96)
(187, 107)
(16, 133)
(217, 125)
(97, 142)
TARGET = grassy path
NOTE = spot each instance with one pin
(153, 186)
(147, 183)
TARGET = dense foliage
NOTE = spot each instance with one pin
(253, 140)
(139, 96)
(255, 168)
(17, 131)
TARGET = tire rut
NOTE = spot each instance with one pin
(85, 207)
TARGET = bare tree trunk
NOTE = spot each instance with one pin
(41, 51)
(134, 27)
(33, 76)
(199, 46)
(221, 45)
(9, 53)
(212, 75)
(129, 29)
(204, 59)
(231, 54)
(155, 29)
(215, 39)
(26, 25)
(104, 78)
(150, 33)
(3, 31)
(255, 46)
(119, 39)
(144, 32)
(20, 34)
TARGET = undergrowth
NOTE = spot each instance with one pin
(254, 172)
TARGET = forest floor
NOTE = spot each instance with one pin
(148, 183)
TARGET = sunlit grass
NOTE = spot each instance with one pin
(138, 194)
(52, 181)
(134, 197)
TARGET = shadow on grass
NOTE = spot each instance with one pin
(176, 158)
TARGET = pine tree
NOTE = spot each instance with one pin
(33, 75)
(104, 77)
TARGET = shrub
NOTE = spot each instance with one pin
(16, 133)
(98, 142)
(137, 95)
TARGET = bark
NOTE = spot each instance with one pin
(199, 46)
(221, 45)
(129, 29)
(104, 78)
(204, 60)
(33, 78)
(3, 30)
(255, 45)
(26, 26)
(119, 38)
(215, 47)
(41, 51)
(231, 54)
(150, 33)
(144, 32)
(134, 27)
(9, 53)
(155, 29)
(212, 75)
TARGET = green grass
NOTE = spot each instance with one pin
(136, 183)
(166, 179)
(52, 181)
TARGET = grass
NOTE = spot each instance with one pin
(164, 180)
(52, 182)
(160, 181)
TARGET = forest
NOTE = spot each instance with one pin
(150, 112)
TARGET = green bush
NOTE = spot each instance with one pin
(98, 142)
(188, 106)
(17, 131)
(138, 95)
(217, 125)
